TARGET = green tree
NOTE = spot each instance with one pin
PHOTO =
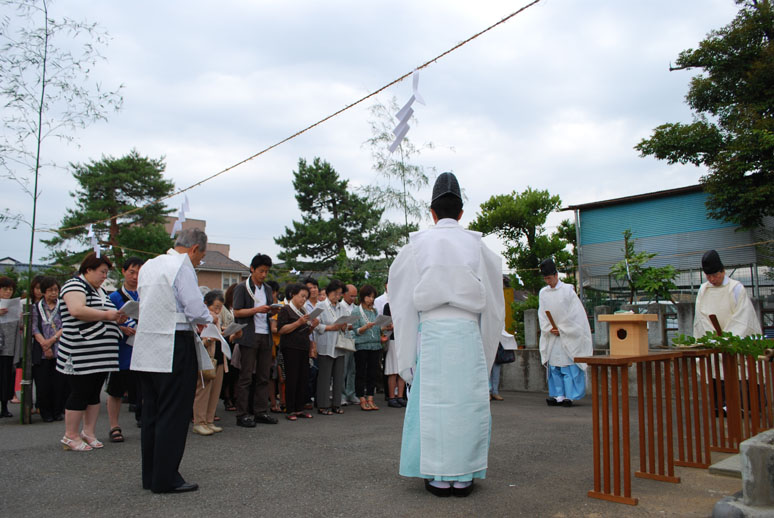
(399, 177)
(657, 283)
(106, 189)
(519, 220)
(335, 222)
(732, 133)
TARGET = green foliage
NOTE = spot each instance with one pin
(107, 188)
(518, 308)
(754, 345)
(335, 221)
(519, 219)
(733, 129)
(657, 283)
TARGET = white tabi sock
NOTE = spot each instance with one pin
(559, 399)
(440, 484)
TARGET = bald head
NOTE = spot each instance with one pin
(350, 293)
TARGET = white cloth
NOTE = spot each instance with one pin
(380, 302)
(731, 304)
(570, 318)
(445, 265)
(346, 309)
(260, 320)
(170, 300)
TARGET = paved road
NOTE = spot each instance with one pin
(334, 466)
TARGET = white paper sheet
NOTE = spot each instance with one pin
(383, 320)
(508, 341)
(315, 313)
(14, 307)
(131, 309)
(233, 328)
(346, 319)
(211, 331)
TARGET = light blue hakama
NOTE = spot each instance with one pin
(569, 382)
(447, 426)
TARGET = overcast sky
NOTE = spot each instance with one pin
(554, 99)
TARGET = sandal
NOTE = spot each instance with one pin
(291, 417)
(338, 410)
(275, 410)
(216, 418)
(231, 407)
(116, 435)
(364, 404)
(324, 411)
(70, 444)
(372, 404)
(305, 415)
(92, 441)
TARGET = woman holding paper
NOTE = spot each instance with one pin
(208, 390)
(330, 359)
(10, 344)
(368, 342)
(88, 348)
(295, 326)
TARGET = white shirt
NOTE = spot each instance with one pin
(380, 302)
(259, 319)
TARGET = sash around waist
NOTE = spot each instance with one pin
(447, 312)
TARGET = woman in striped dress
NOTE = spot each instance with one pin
(88, 349)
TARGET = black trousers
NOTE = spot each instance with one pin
(366, 372)
(259, 358)
(7, 380)
(51, 389)
(296, 378)
(167, 403)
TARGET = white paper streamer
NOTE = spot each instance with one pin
(405, 113)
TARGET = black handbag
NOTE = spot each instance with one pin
(505, 355)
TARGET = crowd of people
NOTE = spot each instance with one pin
(281, 362)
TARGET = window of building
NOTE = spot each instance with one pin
(229, 279)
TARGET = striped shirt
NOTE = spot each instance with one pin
(87, 347)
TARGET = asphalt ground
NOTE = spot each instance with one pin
(540, 464)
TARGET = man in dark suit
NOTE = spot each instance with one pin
(252, 306)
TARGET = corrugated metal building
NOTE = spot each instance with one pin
(675, 225)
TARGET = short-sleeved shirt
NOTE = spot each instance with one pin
(47, 323)
(87, 347)
(299, 337)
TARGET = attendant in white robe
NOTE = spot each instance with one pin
(448, 310)
(726, 299)
(568, 337)
(168, 355)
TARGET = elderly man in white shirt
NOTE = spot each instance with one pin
(165, 354)
(348, 394)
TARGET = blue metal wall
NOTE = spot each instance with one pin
(675, 227)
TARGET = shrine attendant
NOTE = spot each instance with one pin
(559, 344)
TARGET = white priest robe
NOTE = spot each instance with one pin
(165, 306)
(731, 304)
(570, 318)
(447, 305)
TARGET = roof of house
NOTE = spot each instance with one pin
(215, 261)
(635, 198)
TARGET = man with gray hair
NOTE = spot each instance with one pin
(171, 307)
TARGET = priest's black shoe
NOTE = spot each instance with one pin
(462, 491)
(438, 491)
(566, 402)
(246, 421)
(265, 419)
(551, 401)
(185, 487)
